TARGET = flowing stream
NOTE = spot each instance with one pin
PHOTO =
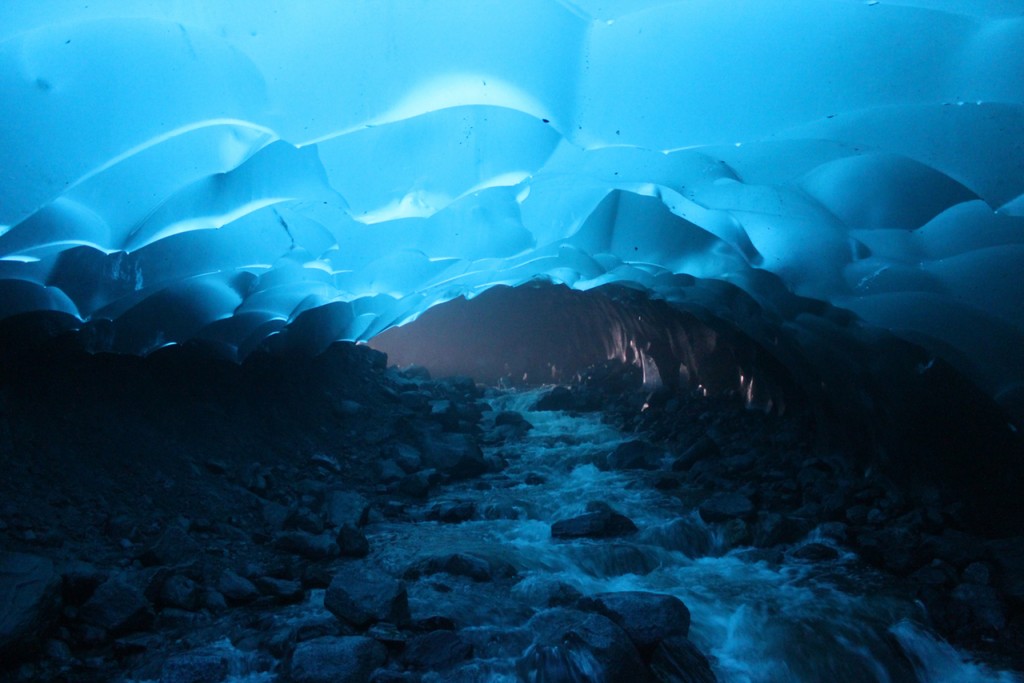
(758, 622)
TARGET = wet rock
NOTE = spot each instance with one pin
(304, 519)
(896, 549)
(510, 418)
(684, 535)
(936, 574)
(773, 529)
(330, 659)
(195, 667)
(704, 447)
(462, 564)
(178, 591)
(559, 398)
(456, 455)
(677, 660)
(453, 513)
(600, 521)
(237, 589)
(570, 645)
(117, 607)
(345, 508)
(436, 651)
(274, 515)
(30, 597)
(417, 485)
(361, 596)
(542, 591)
(352, 542)
(635, 455)
(80, 579)
(726, 506)
(1007, 556)
(982, 604)
(318, 547)
(282, 591)
(815, 552)
(174, 547)
(647, 618)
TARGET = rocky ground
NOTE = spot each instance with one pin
(184, 519)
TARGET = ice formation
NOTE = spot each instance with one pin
(223, 171)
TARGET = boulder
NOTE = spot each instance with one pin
(309, 546)
(436, 651)
(236, 589)
(599, 521)
(199, 666)
(30, 599)
(677, 660)
(362, 596)
(635, 455)
(454, 454)
(570, 645)
(174, 547)
(352, 542)
(330, 659)
(462, 564)
(726, 506)
(118, 607)
(345, 507)
(647, 618)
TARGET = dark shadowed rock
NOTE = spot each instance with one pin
(677, 660)
(178, 591)
(362, 596)
(352, 542)
(462, 564)
(647, 618)
(282, 591)
(173, 547)
(815, 552)
(345, 507)
(570, 645)
(726, 506)
(332, 659)
(559, 398)
(454, 454)
(1008, 560)
(30, 597)
(453, 512)
(236, 589)
(704, 447)
(635, 455)
(600, 521)
(118, 607)
(436, 651)
(309, 546)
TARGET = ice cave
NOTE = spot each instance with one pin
(545, 341)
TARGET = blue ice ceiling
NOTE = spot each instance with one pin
(221, 170)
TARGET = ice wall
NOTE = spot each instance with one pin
(225, 171)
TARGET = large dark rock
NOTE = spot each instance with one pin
(118, 607)
(309, 546)
(174, 547)
(647, 618)
(726, 506)
(1008, 557)
(454, 454)
(462, 564)
(352, 542)
(559, 398)
(635, 455)
(330, 659)
(570, 646)
(345, 508)
(600, 521)
(30, 597)
(361, 596)
(677, 660)
(237, 589)
(704, 447)
(436, 651)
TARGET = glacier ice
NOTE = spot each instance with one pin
(232, 171)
